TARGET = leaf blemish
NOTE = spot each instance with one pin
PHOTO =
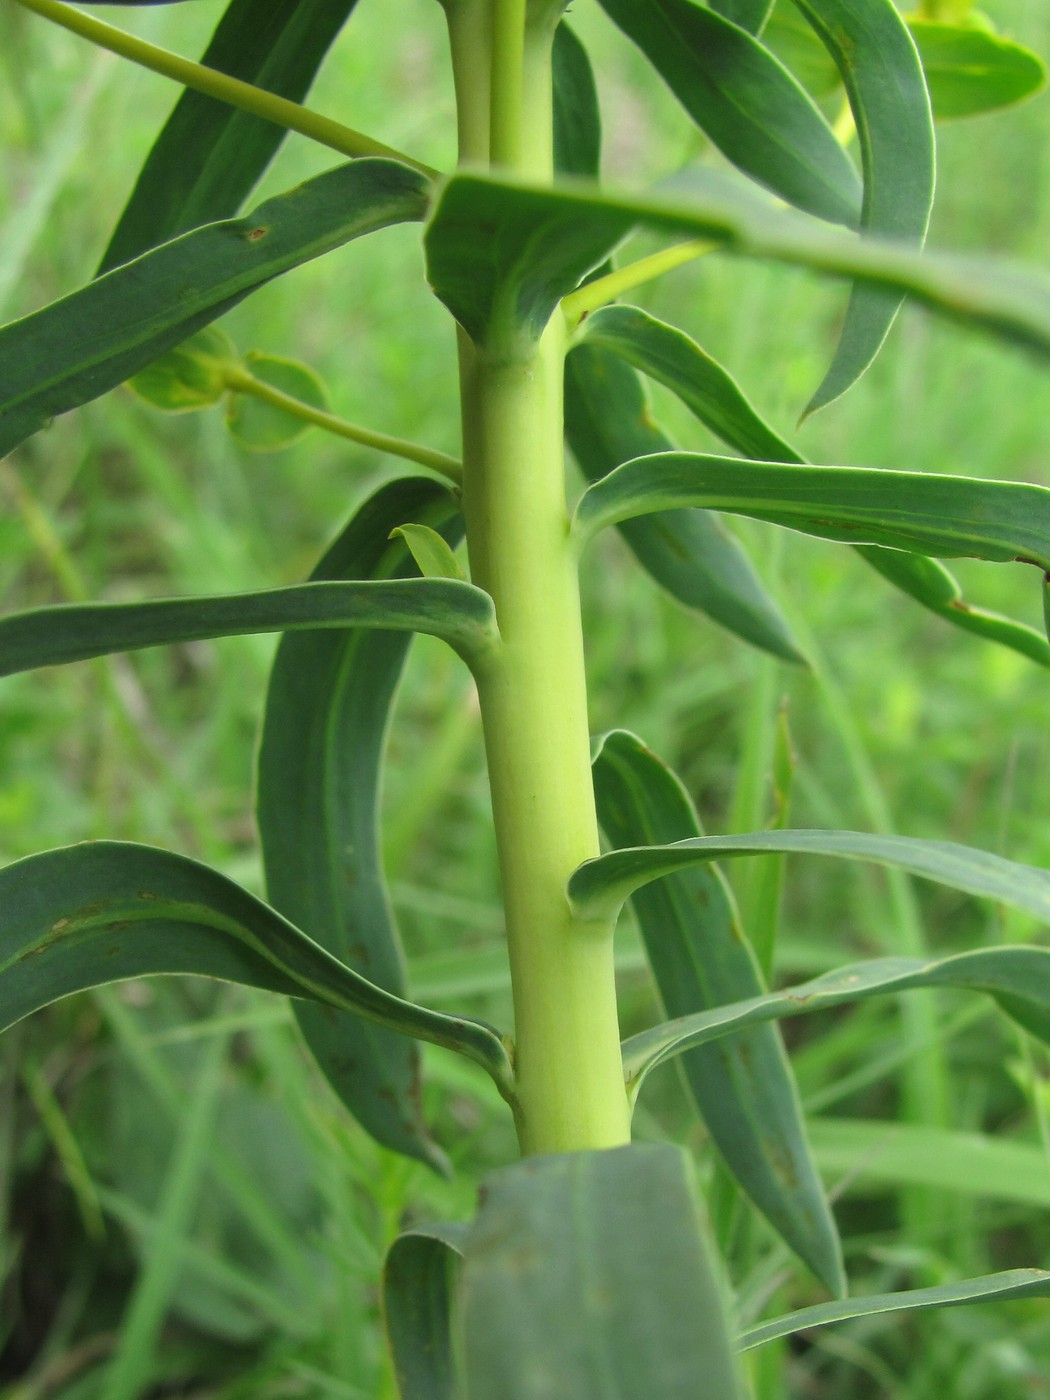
(253, 235)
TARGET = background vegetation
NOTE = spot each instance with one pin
(184, 1208)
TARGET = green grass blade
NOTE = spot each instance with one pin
(687, 552)
(881, 70)
(320, 763)
(105, 911)
(613, 1294)
(746, 102)
(459, 613)
(418, 1280)
(209, 156)
(743, 1087)
(1002, 1287)
(970, 70)
(91, 341)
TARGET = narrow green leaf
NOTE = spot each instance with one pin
(751, 15)
(577, 119)
(189, 377)
(743, 1086)
(209, 156)
(91, 341)
(1017, 978)
(459, 613)
(418, 1279)
(798, 48)
(687, 552)
(587, 1275)
(880, 68)
(104, 911)
(970, 70)
(431, 551)
(263, 427)
(991, 1288)
(747, 102)
(673, 359)
(320, 762)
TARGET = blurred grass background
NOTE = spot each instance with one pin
(184, 1208)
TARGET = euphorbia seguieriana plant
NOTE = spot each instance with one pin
(587, 1271)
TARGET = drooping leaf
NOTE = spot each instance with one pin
(78, 348)
(880, 68)
(743, 1086)
(687, 552)
(104, 911)
(320, 758)
(970, 70)
(418, 1279)
(1017, 978)
(991, 1288)
(587, 1274)
(747, 102)
(577, 120)
(209, 156)
(264, 427)
(456, 611)
(190, 376)
(675, 360)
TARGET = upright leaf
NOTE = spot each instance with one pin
(587, 1274)
(209, 156)
(881, 70)
(320, 761)
(746, 101)
(577, 120)
(743, 1085)
(91, 341)
(418, 1278)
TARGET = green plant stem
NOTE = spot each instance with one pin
(602, 290)
(241, 381)
(533, 690)
(210, 81)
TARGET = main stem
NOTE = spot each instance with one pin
(533, 695)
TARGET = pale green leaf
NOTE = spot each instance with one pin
(264, 427)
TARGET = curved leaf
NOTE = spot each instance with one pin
(675, 360)
(687, 552)
(208, 157)
(459, 613)
(970, 70)
(881, 70)
(105, 911)
(991, 1288)
(1017, 978)
(418, 1279)
(263, 427)
(320, 759)
(587, 1274)
(189, 377)
(747, 102)
(91, 341)
(743, 1086)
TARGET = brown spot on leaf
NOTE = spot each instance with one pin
(253, 235)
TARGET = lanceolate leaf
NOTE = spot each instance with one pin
(671, 357)
(880, 67)
(577, 119)
(457, 612)
(89, 342)
(587, 1274)
(688, 552)
(320, 759)
(970, 70)
(700, 959)
(418, 1279)
(1017, 978)
(747, 103)
(991, 1288)
(208, 157)
(105, 911)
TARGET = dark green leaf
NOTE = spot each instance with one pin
(105, 911)
(320, 758)
(970, 70)
(743, 1086)
(992, 1288)
(747, 102)
(749, 14)
(263, 427)
(89, 342)
(587, 1275)
(577, 120)
(457, 612)
(880, 67)
(671, 357)
(208, 157)
(1017, 978)
(688, 552)
(418, 1279)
